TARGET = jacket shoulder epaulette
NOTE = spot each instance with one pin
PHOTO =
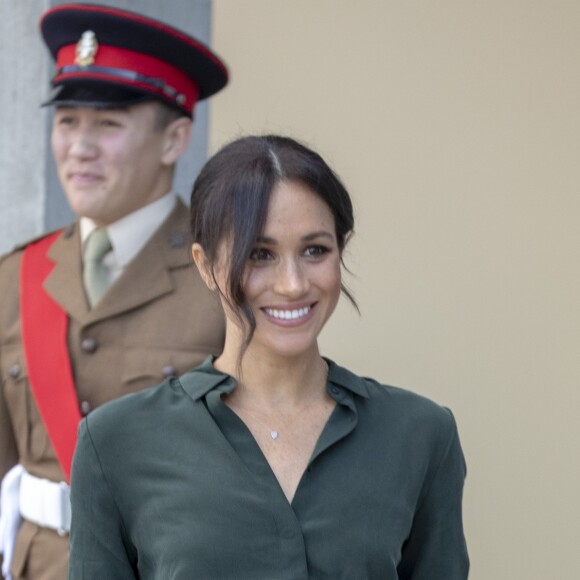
(22, 245)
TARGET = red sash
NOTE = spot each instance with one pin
(44, 335)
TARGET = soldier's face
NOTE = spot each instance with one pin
(110, 162)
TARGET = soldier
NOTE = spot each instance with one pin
(111, 304)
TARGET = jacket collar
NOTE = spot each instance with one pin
(144, 279)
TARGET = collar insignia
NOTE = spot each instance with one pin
(87, 48)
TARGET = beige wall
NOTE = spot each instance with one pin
(456, 126)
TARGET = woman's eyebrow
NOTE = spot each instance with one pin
(320, 234)
(306, 238)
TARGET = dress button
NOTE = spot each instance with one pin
(89, 345)
(168, 371)
(85, 408)
(14, 371)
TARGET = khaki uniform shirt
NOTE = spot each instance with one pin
(194, 497)
(158, 319)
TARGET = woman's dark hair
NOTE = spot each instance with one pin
(230, 200)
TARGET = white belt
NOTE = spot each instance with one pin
(45, 503)
(10, 519)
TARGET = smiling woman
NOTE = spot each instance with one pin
(287, 218)
(292, 279)
(269, 450)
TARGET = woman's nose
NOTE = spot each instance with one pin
(291, 279)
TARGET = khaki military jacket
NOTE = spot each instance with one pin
(158, 319)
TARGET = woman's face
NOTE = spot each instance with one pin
(292, 280)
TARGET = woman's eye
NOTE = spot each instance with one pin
(260, 255)
(314, 251)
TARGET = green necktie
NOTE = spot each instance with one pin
(95, 274)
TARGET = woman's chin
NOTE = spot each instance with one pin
(290, 348)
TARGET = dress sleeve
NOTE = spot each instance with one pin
(436, 549)
(98, 546)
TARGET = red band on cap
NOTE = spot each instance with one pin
(115, 57)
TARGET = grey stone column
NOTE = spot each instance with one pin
(31, 200)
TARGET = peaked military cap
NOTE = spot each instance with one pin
(107, 57)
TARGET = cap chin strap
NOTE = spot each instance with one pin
(137, 70)
(159, 85)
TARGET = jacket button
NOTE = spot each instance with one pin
(85, 408)
(168, 371)
(89, 345)
(177, 240)
(14, 371)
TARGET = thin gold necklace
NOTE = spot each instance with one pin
(273, 433)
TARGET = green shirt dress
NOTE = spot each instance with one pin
(169, 484)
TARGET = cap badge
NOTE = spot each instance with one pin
(87, 48)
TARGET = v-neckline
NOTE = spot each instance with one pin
(340, 422)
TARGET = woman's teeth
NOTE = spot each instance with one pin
(288, 314)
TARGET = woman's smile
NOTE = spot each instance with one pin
(290, 316)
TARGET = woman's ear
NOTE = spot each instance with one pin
(177, 135)
(202, 264)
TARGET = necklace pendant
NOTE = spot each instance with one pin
(274, 434)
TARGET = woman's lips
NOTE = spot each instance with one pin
(289, 315)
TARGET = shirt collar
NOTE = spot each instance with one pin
(130, 234)
(204, 378)
(344, 378)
